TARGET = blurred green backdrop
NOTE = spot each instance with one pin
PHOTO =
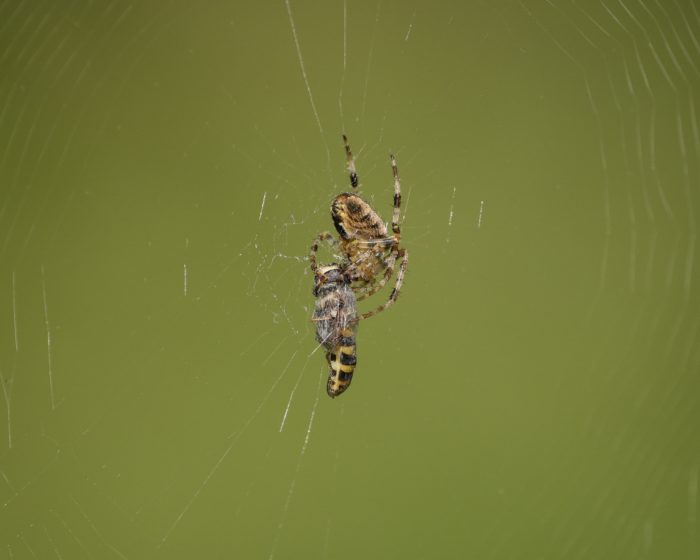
(164, 167)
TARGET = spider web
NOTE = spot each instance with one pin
(163, 171)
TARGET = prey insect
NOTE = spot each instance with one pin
(369, 257)
(335, 315)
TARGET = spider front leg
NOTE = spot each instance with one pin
(403, 255)
(397, 199)
(323, 236)
(350, 161)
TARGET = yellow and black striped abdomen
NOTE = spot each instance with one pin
(342, 361)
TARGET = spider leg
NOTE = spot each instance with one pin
(378, 242)
(397, 199)
(354, 180)
(323, 236)
(403, 255)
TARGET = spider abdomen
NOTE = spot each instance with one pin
(354, 218)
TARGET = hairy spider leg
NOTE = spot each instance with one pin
(397, 199)
(350, 162)
(321, 237)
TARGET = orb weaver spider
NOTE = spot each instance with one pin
(365, 243)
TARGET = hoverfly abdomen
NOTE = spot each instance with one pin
(342, 361)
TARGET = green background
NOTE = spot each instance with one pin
(533, 394)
